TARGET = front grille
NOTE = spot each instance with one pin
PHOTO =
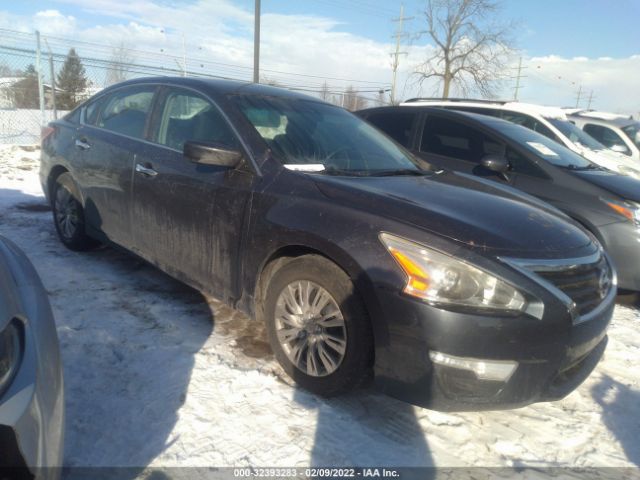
(586, 284)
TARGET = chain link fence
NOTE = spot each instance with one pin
(41, 79)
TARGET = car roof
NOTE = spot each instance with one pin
(521, 107)
(455, 114)
(604, 118)
(217, 86)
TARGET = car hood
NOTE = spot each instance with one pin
(621, 185)
(613, 161)
(462, 208)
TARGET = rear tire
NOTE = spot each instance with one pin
(68, 214)
(318, 327)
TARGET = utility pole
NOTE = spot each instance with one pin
(396, 55)
(579, 96)
(53, 82)
(517, 78)
(43, 120)
(256, 44)
(184, 57)
(591, 97)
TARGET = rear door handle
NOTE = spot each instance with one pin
(82, 144)
(148, 172)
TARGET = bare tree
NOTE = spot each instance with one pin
(324, 92)
(121, 59)
(471, 50)
(353, 100)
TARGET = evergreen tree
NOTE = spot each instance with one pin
(24, 93)
(72, 82)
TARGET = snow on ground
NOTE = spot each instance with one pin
(156, 374)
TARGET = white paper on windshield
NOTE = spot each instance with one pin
(543, 149)
(305, 167)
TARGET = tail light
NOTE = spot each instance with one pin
(46, 133)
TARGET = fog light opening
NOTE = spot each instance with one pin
(494, 370)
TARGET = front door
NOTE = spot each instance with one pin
(187, 218)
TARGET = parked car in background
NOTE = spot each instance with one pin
(605, 203)
(454, 292)
(620, 133)
(548, 121)
(31, 386)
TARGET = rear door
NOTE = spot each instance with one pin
(112, 133)
(188, 217)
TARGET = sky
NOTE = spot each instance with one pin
(591, 45)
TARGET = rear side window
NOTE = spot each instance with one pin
(189, 117)
(449, 138)
(606, 136)
(126, 111)
(91, 111)
(397, 125)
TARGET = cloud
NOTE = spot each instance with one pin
(54, 22)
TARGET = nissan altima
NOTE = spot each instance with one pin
(449, 291)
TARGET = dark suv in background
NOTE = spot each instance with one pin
(605, 203)
(454, 292)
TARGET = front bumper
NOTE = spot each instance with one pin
(553, 354)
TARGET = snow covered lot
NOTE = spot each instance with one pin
(156, 374)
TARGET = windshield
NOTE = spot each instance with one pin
(576, 135)
(633, 132)
(544, 147)
(313, 136)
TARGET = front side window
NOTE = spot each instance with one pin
(442, 136)
(189, 117)
(307, 132)
(575, 134)
(607, 137)
(126, 110)
(397, 125)
(544, 148)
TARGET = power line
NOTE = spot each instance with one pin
(101, 49)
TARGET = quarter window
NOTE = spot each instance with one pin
(189, 117)
(126, 111)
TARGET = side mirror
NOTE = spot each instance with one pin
(495, 163)
(212, 154)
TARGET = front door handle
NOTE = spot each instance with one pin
(82, 144)
(148, 172)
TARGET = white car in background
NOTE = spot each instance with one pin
(549, 121)
(620, 133)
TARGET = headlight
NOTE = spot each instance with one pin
(10, 352)
(441, 279)
(627, 209)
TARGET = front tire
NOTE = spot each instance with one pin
(318, 327)
(68, 214)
